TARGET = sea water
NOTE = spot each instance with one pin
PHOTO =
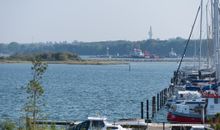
(74, 92)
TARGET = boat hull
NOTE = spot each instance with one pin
(183, 118)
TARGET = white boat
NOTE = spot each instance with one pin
(182, 96)
(197, 111)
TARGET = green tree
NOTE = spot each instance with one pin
(215, 122)
(7, 125)
(35, 90)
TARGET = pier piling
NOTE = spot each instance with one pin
(172, 89)
(163, 125)
(168, 91)
(158, 102)
(147, 109)
(153, 106)
(142, 110)
(165, 96)
(161, 99)
(162, 94)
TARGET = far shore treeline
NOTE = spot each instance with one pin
(44, 56)
(120, 47)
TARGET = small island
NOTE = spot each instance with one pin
(55, 58)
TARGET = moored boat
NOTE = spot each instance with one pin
(197, 112)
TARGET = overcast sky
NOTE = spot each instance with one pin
(94, 20)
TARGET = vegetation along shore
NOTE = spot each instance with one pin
(56, 58)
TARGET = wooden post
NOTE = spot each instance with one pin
(153, 106)
(163, 125)
(172, 89)
(147, 109)
(142, 110)
(158, 102)
(161, 99)
(165, 96)
(169, 91)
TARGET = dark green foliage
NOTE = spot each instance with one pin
(217, 127)
(158, 47)
(215, 122)
(53, 126)
(49, 56)
(7, 125)
(28, 125)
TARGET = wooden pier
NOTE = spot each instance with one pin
(158, 102)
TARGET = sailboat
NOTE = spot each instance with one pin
(201, 109)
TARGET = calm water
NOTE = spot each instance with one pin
(78, 91)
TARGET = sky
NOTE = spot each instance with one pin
(94, 20)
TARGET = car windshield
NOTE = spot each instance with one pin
(97, 125)
(112, 128)
(198, 129)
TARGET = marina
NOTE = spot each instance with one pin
(141, 85)
(151, 113)
(193, 96)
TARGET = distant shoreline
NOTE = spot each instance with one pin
(146, 59)
(97, 61)
(80, 62)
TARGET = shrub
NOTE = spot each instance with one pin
(7, 125)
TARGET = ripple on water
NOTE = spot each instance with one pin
(77, 91)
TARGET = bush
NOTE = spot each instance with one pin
(46, 56)
(7, 125)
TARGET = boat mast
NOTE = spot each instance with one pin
(216, 40)
(195, 54)
(176, 78)
(208, 38)
(212, 33)
(200, 37)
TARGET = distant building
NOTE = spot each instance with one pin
(150, 33)
(107, 51)
(172, 54)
